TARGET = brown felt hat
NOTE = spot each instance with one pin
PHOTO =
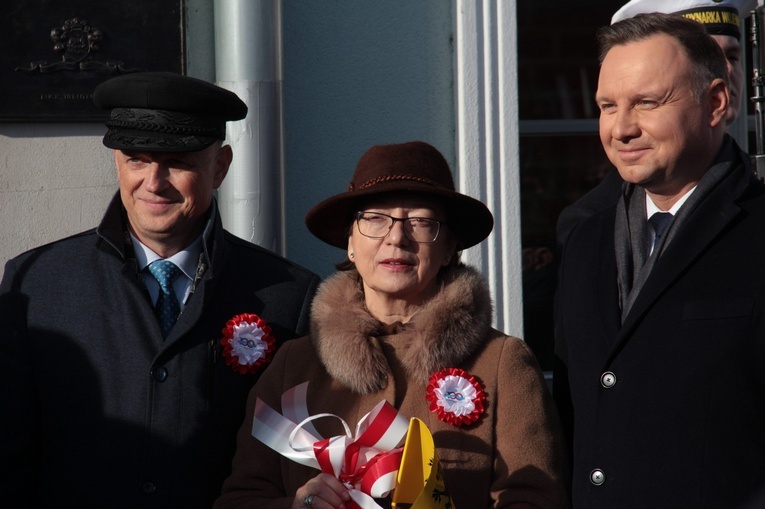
(414, 168)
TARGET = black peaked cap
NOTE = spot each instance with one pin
(166, 112)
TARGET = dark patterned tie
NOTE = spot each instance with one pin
(659, 221)
(167, 308)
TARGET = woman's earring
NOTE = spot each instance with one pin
(352, 256)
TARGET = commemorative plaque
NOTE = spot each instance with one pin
(54, 53)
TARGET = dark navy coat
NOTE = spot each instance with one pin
(97, 410)
(667, 410)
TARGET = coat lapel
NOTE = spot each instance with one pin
(213, 255)
(705, 224)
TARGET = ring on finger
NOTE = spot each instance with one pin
(307, 501)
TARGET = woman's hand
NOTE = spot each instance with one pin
(323, 492)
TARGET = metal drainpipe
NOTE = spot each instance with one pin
(248, 61)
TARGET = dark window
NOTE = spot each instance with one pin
(560, 153)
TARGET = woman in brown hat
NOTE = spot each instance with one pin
(404, 321)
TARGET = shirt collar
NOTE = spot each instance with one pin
(186, 259)
(651, 208)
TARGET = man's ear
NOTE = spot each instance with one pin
(222, 163)
(718, 101)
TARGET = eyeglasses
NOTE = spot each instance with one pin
(377, 226)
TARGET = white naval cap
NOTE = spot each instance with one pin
(719, 17)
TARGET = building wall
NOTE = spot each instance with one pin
(55, 180)
(358, 74)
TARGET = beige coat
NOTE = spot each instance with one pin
(511, 457)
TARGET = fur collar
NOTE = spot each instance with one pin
(448, 329)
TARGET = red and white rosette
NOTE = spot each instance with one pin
(247, 343)
(366, 462)
(456, 396)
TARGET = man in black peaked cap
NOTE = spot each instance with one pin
(120, 386)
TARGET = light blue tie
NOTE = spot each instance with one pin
(167, 308)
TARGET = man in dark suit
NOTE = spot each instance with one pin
(721, 19)
(120, 387)
(660, 324)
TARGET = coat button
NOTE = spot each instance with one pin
(597, 477)
(148, 488)
(608, 379)
(159, 374)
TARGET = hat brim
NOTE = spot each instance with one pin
(468, 219)
(122, 139)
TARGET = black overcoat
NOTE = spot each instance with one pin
(97, 409)
(667, 410)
